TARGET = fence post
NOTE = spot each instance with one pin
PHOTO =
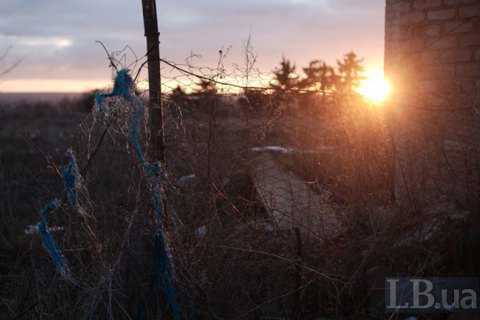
(156, 150)
(155, 108)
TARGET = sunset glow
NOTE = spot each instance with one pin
(50, 85)
(374, 87)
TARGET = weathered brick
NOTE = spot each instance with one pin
(430, 57)
(412, 18)
(428, 86)
(389, 33)
(470, 11)
(392, 29)
(395, 36)
(468, 86)
(477, 55)
(395, 46)
(469, 70)
(470, 40)
(425, 4)
(444, 43)
(447, 71)
(458, 26)
(402, 7)
(392, 22)
(404, 35)
(432, 30)
(444, 14)
(457, 2)
(457, 55)
(416, 45)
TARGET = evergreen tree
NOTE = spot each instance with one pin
(285, 78)
(319, 76)
(206, 86)
(349, 72)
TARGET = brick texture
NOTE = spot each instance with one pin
(441, 14)
(432, 58)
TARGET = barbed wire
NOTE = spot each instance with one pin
(214, 76)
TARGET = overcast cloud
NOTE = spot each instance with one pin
(56, 38)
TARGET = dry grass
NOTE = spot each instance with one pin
(239, 268)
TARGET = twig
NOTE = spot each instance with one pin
(84, 169)
(108, 55)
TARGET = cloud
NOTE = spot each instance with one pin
(55, 42)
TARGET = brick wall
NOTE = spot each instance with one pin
(432, 57)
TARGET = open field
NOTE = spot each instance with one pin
(232, 172)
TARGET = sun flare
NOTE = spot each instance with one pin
(374, 87)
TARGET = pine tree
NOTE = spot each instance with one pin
(319, 76)
(349, 69)
(285, 78)
(206, 86)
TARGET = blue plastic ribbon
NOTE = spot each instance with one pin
(49, 242)
(163, 266)
(72, 180)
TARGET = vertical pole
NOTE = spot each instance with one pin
(156, 152)
(155, 109)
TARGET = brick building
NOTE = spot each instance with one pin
(432, 58)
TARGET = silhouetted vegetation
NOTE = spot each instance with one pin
(350, 69)
(320, 77)
(206, 87)
(285, 78)
(232, 258)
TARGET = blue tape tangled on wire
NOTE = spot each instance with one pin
(72, 180)
(123, 86)
(49, 242)
(163, 268)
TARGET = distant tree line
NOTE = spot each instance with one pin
(319, 76)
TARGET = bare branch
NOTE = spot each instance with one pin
(5, 65)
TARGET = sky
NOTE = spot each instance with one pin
(55, 39)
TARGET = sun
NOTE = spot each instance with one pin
(374, 87)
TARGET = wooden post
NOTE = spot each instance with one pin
(156, 150)
(157, 145)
